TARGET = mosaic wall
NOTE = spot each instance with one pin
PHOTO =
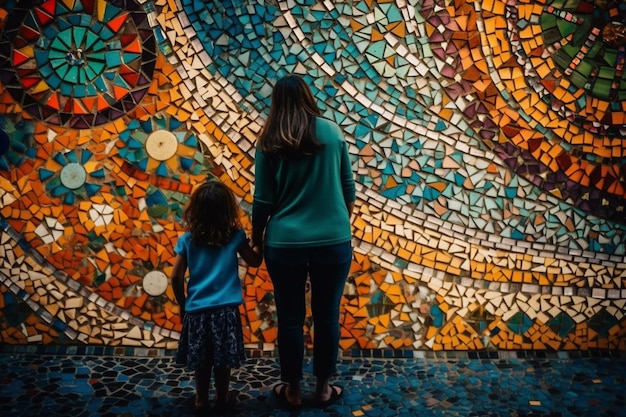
(487, 140)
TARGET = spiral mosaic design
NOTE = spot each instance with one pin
(572, 58)
(80, 63)
(529, 145)
(487, 141)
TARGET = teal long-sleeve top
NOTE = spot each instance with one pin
(304, 202)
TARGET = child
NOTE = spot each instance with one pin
(211, 338)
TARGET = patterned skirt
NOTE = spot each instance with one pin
(211, 338)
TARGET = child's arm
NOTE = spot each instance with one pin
(252, 255)
(178, 282)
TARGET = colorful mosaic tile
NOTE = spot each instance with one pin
(487, 141)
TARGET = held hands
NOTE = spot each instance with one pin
(251, 254)
(258, 250)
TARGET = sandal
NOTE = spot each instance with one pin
(280, 392)
(336, 392)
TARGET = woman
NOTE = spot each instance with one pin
(303, 199)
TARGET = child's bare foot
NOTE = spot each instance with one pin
(222, 404)
(201, 403)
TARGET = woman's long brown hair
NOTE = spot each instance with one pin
(290, 128)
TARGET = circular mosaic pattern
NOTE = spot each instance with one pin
(78, 62)
(155, 283)
(73, 175)
(161, 145)
(542, 112)
(588, 46)
(572, 58)
(585, 55)
(80, 66)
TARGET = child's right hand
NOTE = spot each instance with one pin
(252, 254)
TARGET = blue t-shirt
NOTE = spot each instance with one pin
(213, 273)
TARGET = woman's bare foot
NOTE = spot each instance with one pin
(288, 394)
(294, 395)
(322, 390)
(329, 396)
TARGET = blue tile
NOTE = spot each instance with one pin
(441, 384)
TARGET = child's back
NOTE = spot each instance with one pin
(211, 338)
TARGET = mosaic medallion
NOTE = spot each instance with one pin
(77, 63)
(161, 145)
(73, 175)
(155, 283)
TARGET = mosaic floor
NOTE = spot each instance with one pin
(503, 385)
(487, 140)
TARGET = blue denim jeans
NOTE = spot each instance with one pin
(327, 268)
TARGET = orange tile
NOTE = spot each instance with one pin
(270, 334)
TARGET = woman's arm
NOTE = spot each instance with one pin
(264, 197)
(260, 215)
(347, 179)
(350, 207)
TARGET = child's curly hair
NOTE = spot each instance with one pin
(212, 215)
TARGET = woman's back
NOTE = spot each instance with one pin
(307, 195)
